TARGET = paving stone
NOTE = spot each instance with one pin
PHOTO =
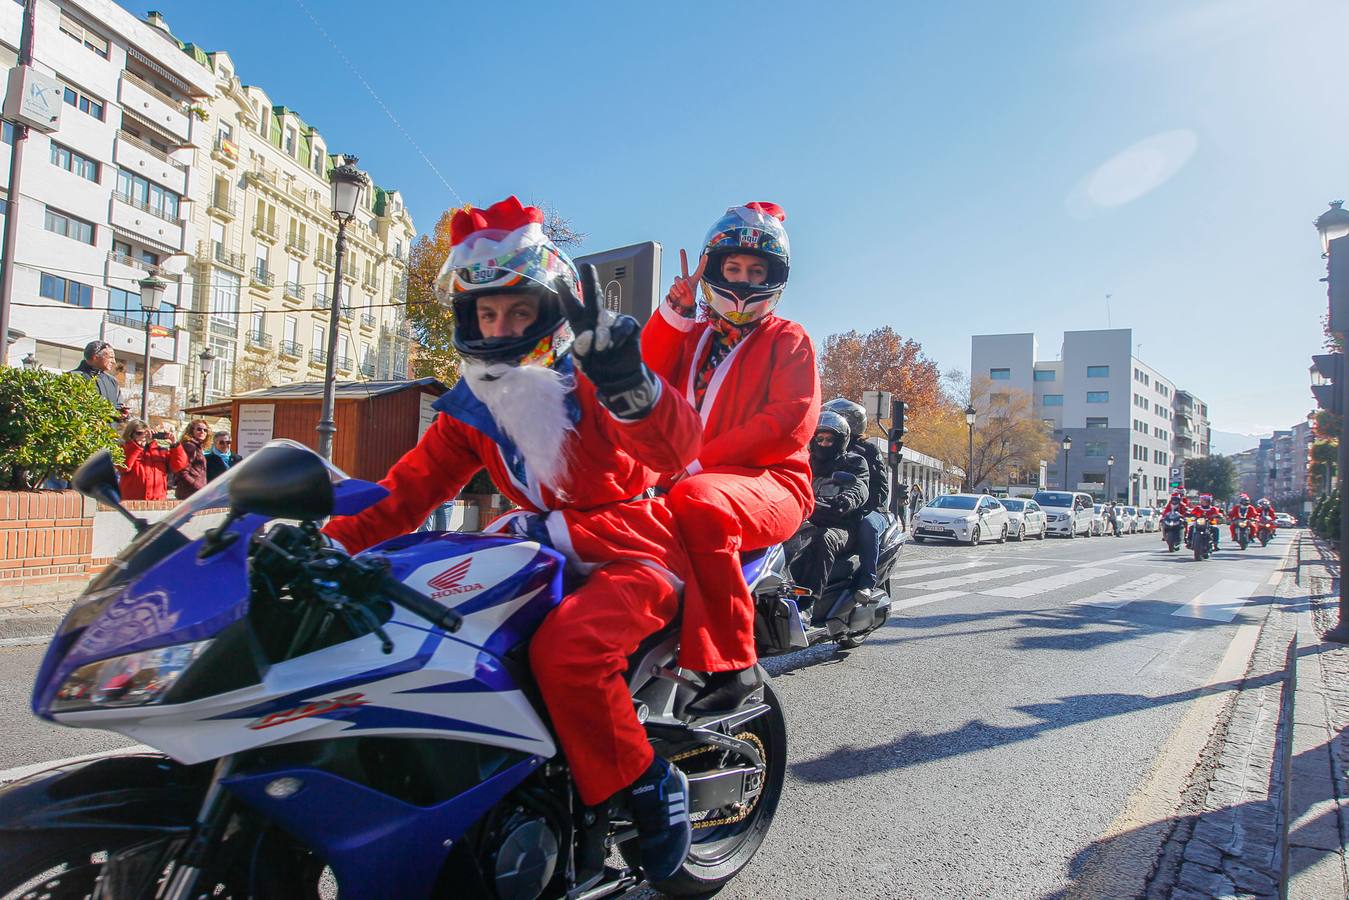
(1205, 882)
(1249, 879)
(1205, 854)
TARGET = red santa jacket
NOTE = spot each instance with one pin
(1238, 512)
(763, 401)
(1266, 514)
(1179, 506)
(600, 519)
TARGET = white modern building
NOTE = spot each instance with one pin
(1099, 394)
(104, 199)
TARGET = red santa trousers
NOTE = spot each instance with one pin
(719, 512)
(579, 657)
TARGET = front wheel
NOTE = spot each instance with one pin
(720, 851)
(1002, 539)
(1043, 528)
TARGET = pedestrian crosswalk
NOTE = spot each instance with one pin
(1193, 597)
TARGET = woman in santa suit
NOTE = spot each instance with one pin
(751, 377)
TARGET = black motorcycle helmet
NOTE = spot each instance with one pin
(830, 421)
(854, 413)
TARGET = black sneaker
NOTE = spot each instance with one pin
(659, 804)
(725, 691)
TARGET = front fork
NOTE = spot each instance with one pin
(209, 828)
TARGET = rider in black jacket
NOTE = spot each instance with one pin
(840, 480)
(873, 522)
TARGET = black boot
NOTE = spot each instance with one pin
(725, 691)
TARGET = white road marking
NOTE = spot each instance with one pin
(942, 584)
(1137, 589)
(31, 641)
(14, 774)
(1221, 602)
(949, 567)
(924, 599)
(1126, 558)
(1050, 583)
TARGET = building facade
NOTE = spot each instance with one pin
(1191, 428)
(1103, 397)
(264, 261)
(106, 197)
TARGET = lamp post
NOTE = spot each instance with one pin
(970, 413)
(152, 289)
(1109, 470)
(30, 363)
(1332, 225)
(207, 360)
(348, 183)
(1067, 445)
(1139, 473)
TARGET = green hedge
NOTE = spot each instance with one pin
(50, 422)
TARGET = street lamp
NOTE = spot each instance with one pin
(30, 361)
(1332, 225)
(207, 360)
(970, 413)
(1067, 445)
(348, 183)
(152, 289)
(1139, 473)
(1109, 468)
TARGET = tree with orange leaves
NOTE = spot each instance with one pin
(880, 360)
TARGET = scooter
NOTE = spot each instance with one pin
(368, 718)
(1172, 530)
(780, 623)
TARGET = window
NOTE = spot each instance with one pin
(290, 330)
(146, 195)
(74, 162)
(69, 226)
(260, 261)
(318, 336)
(1140, 426)
(1098, 422)
(1159, 457)
(1098, 396)
(1098, 371)
(1000, 374)
(1053, 399)
(225, 298)
(84, 103)
(1045, 374)
(90, 39)
(66, 291)
(293, 270)
(1097, 448)
(342, 347)
(290, 141)
(128, 306)
(999, 399)
(1140, 453)
(259, 321)
(224, 131)
(315, 157)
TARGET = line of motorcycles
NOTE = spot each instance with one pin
(370, 718)
(1200, 533)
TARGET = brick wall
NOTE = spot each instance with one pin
(45, 539)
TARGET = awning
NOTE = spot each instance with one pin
(220, 409)
(182, 86)
(142, 239)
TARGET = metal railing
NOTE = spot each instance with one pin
(150, 149)
(297, 244)
(128, 321)
(225, 205)
(155, 89)
(224, 328)
(318, 357)
(343, 363)
(368, 370)
(345, 312)
(262, 277)
(265, 230)
(259, 339)
(322, 300)
(229, 257)
(367, 320)
(295, 289)
(226, 146)
(291, 348)
(145, 207)
(136, 262)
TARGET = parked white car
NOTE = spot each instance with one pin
(1025, 518)
(1067, 513)
(1128, 519)
(966, 518)
(1149, 518)
(1099, 526)
(1285, 520)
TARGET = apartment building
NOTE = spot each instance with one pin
(1191, 428)
(107, 196)
(264, 258)
(1101, 395)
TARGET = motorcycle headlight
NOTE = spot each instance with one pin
(136, 679)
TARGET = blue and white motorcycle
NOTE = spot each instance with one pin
(368, 719)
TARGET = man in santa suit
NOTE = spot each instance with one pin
(751, 377)
(576, 452)
(1242, 509)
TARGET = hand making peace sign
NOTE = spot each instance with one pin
(682, 295)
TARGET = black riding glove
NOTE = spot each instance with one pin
(608, 349)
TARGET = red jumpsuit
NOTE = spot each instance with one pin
(1267, 518)
(629, 547)
(1239, 512)
(750, 485)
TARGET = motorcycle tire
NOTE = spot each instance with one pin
(1199, 553)
(852, 641)
(1171, 546)
(719, 853)
(1264, 542)
(1242, 541)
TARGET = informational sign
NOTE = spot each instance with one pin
(629, 277)
(427, 414)
(1177, 477)
(877, 404)
(33, 99)
(254, 427)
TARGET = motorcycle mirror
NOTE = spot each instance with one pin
(282, 481)
(97, 479)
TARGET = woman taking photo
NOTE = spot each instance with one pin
(188, 461)
(145, 473)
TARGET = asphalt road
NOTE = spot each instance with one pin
(974, 747)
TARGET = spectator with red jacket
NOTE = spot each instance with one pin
(145, 468)
(751, 377)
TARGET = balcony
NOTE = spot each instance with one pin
(214, 252)
(265, 230)
(156, 227)
(318, 357)
(138, 265)
(324, 260)
(260, 174)
(343, 363)
(371, 283)
(262, 278)
(297, 245)
(295, 289)
(259, 339)
(141, 205)
(368, 369)
(222, 206)
(345, 312)
(225, 151)
(224, 328)
(135, 155)
(152, 104)
(322, 300)
(291, 349)
(367, 320)
(128, 332)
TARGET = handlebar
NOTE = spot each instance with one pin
(419, 604)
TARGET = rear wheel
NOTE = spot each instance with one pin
(720, 851)
(1043, 528)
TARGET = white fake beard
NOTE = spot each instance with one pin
(529, 404)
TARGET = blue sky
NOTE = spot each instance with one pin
(947, 169)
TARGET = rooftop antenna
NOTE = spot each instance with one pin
(1107, 311)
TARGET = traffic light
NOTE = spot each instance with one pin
(896, 436)
(1330, 393)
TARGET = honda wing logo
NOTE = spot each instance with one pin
(451, 581)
